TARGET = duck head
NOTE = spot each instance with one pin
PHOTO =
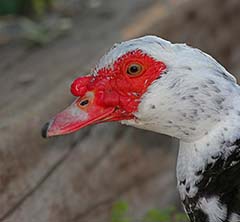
(152, 84)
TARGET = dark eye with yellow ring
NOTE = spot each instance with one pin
(134, 69)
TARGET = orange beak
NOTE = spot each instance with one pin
(82, 112)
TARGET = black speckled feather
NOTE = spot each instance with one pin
(221, 179)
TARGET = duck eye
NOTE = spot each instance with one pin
(134, 69)
(84, 102)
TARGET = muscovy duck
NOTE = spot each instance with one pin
(177, 90)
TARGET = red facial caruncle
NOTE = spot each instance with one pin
(113, 94)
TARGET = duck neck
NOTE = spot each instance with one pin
(206, 170)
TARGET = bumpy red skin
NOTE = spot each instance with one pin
(114, 87)
(111, 95)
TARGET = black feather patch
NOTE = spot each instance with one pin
(220, 179)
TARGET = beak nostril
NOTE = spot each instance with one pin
(84, 102)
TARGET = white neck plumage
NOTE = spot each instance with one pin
(207, 171)
(194, 157)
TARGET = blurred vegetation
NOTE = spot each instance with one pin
(33, 21)
(120, 214)
(25, 7)
(39, 34)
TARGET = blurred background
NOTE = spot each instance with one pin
(44, 45)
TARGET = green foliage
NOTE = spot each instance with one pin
(119, 211)
(165, 215)
(25, 7)
(40, 6)
(120, 214)
(9, 7)
(156, 215)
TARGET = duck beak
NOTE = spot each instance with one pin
(82, 112)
